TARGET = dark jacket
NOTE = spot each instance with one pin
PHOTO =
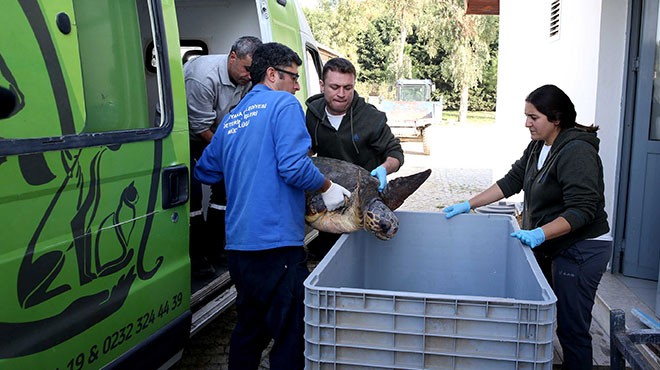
(570, 185)
(363, 138)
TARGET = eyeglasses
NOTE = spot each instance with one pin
(294, 75)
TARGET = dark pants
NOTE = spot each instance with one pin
(321, 245)
(215, 221)
(270, 306)
(197, 223)
(574, 275)
(207, 237)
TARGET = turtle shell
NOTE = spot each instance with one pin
(367, 207)
(350, 176)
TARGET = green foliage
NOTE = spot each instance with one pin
(336, 24)
(425, 64)
(442, 43)
(375, 56)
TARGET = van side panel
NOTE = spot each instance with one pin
(285, 28)
(92, 265)
(30, 66)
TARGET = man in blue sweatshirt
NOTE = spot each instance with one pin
(260, 151)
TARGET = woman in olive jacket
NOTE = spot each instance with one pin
(561, 175)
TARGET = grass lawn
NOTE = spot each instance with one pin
(473, 117)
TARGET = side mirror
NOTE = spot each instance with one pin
(7, 102)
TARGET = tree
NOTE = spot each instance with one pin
(375, 50)
(405, 12)
(336, 23)
(466, 39)
(414, 39)
(484, 96)
(425, 64)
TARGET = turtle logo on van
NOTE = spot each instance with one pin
(7, 81)
(109, 250)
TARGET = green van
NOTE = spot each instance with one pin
(93, 203)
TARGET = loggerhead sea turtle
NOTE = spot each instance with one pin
(366, 208)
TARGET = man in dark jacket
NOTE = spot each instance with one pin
(343, 126)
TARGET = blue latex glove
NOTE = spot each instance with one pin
(381, 174)
(456, 209)
(533, 238)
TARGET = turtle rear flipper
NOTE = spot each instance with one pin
(399, 189)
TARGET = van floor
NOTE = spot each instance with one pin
(207, 272)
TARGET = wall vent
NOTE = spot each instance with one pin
(555, 10)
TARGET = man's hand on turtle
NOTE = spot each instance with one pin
(381, 174)
(334, 196)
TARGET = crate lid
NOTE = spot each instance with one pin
(500, 208)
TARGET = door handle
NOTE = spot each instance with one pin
(175, 186)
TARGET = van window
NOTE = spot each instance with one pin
(77, 82)
(190, 49)
(113, 76)
(313, 70)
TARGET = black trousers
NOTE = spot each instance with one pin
(207, 237)
(574, 275)
(215, 221)
(270, 305)
(197, 223)
(321, 245)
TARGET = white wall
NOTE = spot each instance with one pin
(586, 61)
(217, 23)
(610, 95)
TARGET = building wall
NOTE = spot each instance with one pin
(610, 95)
(586, 60)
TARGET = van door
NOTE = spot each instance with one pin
(641, 256)
(94, 257)
(287, 25)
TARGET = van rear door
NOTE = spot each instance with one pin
(94, 257)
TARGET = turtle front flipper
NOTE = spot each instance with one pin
(399, 189)
(344, 219)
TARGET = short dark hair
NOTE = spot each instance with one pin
(340, 65)
(245, 46)
(271, 54)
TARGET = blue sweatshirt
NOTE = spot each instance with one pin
(260, 150)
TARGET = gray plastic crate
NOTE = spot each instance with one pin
(442, 294)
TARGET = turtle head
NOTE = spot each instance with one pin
(380, 220)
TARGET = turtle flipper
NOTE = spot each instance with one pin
(399, 189)
(345, 219)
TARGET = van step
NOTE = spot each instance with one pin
(213, 288)
(212, 309)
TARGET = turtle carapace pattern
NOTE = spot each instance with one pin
(367, 208)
